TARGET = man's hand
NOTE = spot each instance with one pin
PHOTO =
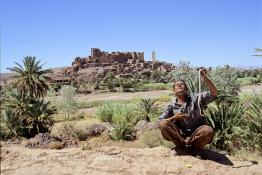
(203, 71)
(209, 83)
(178, 116)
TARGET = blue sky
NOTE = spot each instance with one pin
(204, 32)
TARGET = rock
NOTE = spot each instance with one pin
(96, 129)
(41, 140)
(143, 126)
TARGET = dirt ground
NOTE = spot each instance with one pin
(107, 160)
(119, 159)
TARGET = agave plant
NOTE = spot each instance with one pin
(227, 120)
(254, 118)
(30, 78)
(16, 101)
(9, 121)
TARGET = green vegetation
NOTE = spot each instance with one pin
(30, 78)
(236, 118)
(147, 109)
(111, 82)
(249, 80)
(156, 86)
(68, 103)
(27, 106)
(124, 116)
(24, 112)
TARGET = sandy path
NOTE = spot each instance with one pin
(109, 160)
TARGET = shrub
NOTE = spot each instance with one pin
(105, 112)
(126, 83)
(123, 121)
(122, 130)
(158, 77)
(111, 81)
(68, 103)
(247, 81)
(155, 86)
(225, 79)
(122, 116)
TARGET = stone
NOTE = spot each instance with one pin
(41, 140)
(96, 129)
(143, 126)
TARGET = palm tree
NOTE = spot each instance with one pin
(39, 117)
(26, 116)
(147, 107)
(30, 78)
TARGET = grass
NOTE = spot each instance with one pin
(248, 97)
(72, 117)
(156, 86)
(248, 81)
(97, 103)
(165, 98)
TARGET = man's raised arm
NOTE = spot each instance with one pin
(210, 85)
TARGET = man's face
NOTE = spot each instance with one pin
(180, 88)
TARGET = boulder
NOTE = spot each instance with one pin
(143, 126)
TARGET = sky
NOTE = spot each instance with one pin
(203, 32)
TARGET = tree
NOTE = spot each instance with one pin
(225, 79)
(39, 117)
(26, 117)
(68, 105)
(147, 108)
(30, 78)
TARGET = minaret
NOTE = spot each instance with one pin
(153, 56)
